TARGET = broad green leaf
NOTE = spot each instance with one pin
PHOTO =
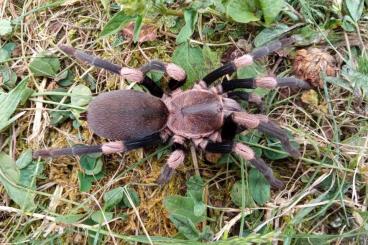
(252, 70)
(58, 117)
(190, 17)
(135, 7)
(87, 162)
(5, 51)
(211, 60)
(29, 174)
(348, 24)
(185, 226)
(200, 4)
(9, 178)
(9, 104)
(199, 209)
(195, 187)
(97, 168)
(45, 65)
(259, 187)
(191, 60)
(271, 9)
(27, 92)
(307, 35)
(252, 137)
(355, 8)
(133, 195)
(239, 11)
(9, 77)
(357, 78)
(5, 27)
(236, 195)
(91, 163)
(58, 98)
(275, 144)
(81, 95)
(113, 197)
(101, 217)
(65, 78)
(137, 28)
(69, 218)
(116, 23)
(24, 159)
(85, 181)
(269, 34)
(183, 206)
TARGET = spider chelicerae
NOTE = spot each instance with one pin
(208, 115)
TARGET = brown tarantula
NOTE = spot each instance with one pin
(207, 115)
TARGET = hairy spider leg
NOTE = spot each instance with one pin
(264, 125)
(246, 59)
(263, 82)
(175, 159)
(152, 87)
(175, 72)
(106, 148)
(247, 96)
(248, 154)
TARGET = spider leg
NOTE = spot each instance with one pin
(175, 72)
(229, 129)
(263, 82)
(248, 154)
(250, 97)
(175, 159)
(246, 59)
(263, 124)
(152, 87)
(106, 148)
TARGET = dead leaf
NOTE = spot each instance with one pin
(148, 33)
(310, 97)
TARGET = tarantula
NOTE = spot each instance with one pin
(209, 116)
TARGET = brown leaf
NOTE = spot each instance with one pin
(148, 33)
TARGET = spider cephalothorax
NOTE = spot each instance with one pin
(206, 115)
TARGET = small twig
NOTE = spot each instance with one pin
(195, 160)
(199, 42)
(230, 224)
(104, 217)
(138, 216)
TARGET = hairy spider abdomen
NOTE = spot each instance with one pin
(195, 113)
(126, 115)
